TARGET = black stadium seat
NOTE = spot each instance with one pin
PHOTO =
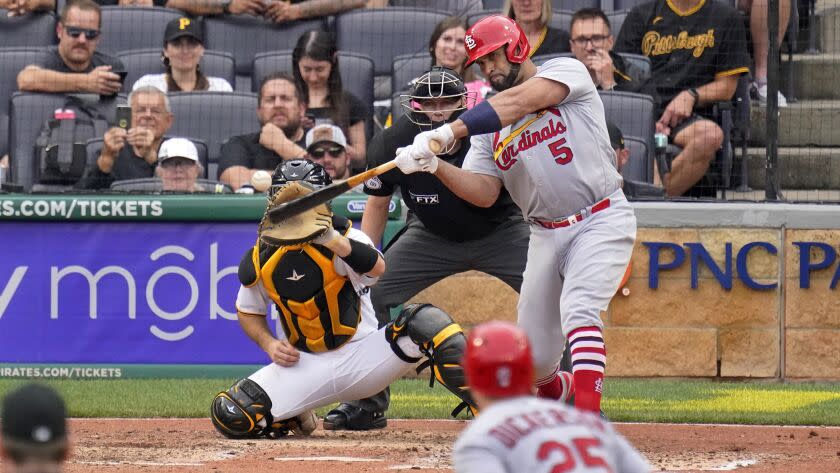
(408, 67)
(455, 7)
(12, 60)
(633, 115)
(147, 61)
(245, 36)
(34, 30)
(356, 71)
(213, 117)
(124, 29)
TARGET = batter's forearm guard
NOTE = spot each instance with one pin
(441, 340)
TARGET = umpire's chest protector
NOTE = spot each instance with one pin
(319, 308)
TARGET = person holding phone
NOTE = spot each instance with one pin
(183, 48)
(74, 65)
(130, 149)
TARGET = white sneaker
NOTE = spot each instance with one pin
(761, 91)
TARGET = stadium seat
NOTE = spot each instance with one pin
(575, 5)
(627, 4)
(140, 62)
(124, 29)
(213, 117)
(561, 19)
(639, 167)
(455, 7)
(26, 117)
(356, 71)
(94, 147)
(384, 34)
(245, 36)
(493, 4)
(617, 20)
(408, 67)
(633, 115)
(12, 60)
(474, 17)
(34, 30)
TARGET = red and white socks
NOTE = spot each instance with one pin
(589, 357)
(559, 386)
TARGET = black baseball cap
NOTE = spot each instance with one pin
(184, 26)
(616, 138)
(34, 415)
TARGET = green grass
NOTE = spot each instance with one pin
(628, 400)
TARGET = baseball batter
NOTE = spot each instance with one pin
(318, 271)
(518, 432)
(544, 138)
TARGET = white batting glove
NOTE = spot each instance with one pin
(443, 135)
(406, 162)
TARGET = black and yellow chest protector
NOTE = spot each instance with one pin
(319, 308)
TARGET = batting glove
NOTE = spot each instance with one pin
(326, 237)
(406, 162)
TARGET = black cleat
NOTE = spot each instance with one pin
(347, 417)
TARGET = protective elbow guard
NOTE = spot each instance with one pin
(244, 411)
(441, 340)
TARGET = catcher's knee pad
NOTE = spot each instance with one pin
(244, 411)
(441, 340)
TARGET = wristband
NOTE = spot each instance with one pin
(481, 119)
(362, 258)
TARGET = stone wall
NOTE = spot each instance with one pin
(675, 330)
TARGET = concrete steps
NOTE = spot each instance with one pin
(815, 76)
(812, 169)
(803, 123)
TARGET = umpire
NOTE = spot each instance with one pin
(34, 430)
(443, 235)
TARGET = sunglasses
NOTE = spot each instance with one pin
(75, 32)
(334, 152)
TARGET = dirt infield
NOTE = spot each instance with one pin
(191, 445)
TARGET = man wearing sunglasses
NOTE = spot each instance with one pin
(75, 65)
(591, 43)
(326, 145)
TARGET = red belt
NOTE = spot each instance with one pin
(565, 222)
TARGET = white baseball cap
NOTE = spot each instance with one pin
(328, 133)
(177, 148)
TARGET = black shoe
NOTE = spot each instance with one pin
(347, 417)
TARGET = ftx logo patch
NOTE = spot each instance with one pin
(427, 199)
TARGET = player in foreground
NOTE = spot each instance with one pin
(544, 138)
(318, 270)
(516, 431)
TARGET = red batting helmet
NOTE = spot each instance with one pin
(491, 33)
(497, 360)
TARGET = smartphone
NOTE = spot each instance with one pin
(123, 75)
(124, 116)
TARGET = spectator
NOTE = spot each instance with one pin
(183, 47)
(697, 51)
(446, 47)
(75, 65)
(151, 118)
(757, 11)
(327, 146)
(179, 167)
(534, 17)
(280, 110)
(315, 67)
(22, 7)
(276, 11)
(34, 430)
(592, 43)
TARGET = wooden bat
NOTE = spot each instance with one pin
(333, 190)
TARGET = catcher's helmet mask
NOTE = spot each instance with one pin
(437, 83)
(304, 170)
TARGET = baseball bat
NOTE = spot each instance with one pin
(333, 190)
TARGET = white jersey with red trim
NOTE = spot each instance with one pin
(527, 434)
(556, 161)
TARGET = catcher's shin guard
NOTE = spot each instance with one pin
(441, 340)
(244, 411)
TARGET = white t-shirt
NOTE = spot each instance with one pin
(217, 84)
(562, 160)
(255, 300)
(528, 434)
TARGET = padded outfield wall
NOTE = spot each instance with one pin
(716, 290)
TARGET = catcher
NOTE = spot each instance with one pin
(318, 270)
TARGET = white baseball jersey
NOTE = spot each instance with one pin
(556, 161)
(528, 434)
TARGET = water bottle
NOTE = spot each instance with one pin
(660, 141)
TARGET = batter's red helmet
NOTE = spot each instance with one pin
(491, 33)
(497, 360)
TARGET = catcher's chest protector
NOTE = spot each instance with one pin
(320, 310)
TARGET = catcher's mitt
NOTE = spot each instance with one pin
(298, 228)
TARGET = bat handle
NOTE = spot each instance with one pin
(435, 146)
